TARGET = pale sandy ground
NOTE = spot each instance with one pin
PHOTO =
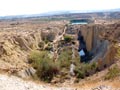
(15, 83)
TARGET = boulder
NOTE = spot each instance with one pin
(26, 73)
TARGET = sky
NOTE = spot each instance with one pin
(21, 7)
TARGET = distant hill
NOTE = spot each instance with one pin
(112, 13)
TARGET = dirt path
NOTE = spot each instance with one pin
(59, 37)
(55, 43)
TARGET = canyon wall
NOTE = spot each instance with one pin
(97, 43)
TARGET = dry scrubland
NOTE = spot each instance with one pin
(25, 47)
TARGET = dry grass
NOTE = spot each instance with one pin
(112, 73)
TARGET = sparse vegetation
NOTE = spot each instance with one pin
(118, 52)
(41, 45)
(46, 68)
(67, 38)
(112, 73)
(53, 60)
(85, 69)
(48, 36)
(65, 57)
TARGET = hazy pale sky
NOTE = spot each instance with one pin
(17, 7)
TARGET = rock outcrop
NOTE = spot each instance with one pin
(26, 73)
(98, 41)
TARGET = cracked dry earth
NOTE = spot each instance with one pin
(15, 83)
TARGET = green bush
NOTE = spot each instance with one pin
(80, 73)
(46, 68)
(85, 69)
(65, 57)
(94, 66)
(112, 73)
(67, 38)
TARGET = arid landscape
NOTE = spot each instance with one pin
(42, 53)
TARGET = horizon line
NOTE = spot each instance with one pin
(59, 12)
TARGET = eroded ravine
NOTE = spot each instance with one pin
(15, 47)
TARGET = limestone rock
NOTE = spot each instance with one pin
(26, 73)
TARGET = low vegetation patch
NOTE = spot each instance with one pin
(118, 51)
(112, 73)
(46, 68)
(67, 38)
(65, 57)
(85, 69)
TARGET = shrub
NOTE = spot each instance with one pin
(67, 38)
(80, 73)
(112, 73)
(65, 57)
(46, 68)
(85, 69)
(41, 45)
(93, 66)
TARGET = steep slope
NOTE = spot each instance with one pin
(17, 40)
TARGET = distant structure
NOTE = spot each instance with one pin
(79, 21)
